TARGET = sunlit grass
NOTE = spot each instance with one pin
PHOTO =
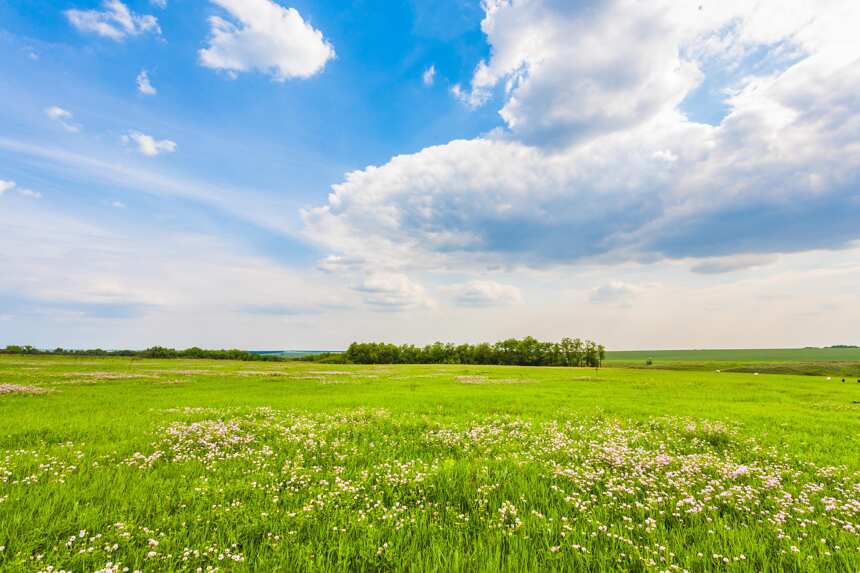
(204, 465)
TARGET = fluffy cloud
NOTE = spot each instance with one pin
(481, 293)
(6, 186)
(392, 292)
(599, 161)
(63, 117)
(265, 37)
(148, 145)
(115, 21)
(144, 86)
(573, 71)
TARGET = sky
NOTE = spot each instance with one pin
(270, 174)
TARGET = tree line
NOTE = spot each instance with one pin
(525, 352)
(153, 352)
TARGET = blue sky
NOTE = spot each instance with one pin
(276, 174)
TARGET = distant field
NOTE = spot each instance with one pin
(739, 355)
(290, 353)
(836, 362)
(199, 465)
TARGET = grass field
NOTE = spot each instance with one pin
(839, 362)
(740, 355)
(108, 464)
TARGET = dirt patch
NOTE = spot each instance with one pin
(485, 380)
(108, 375)
(330, 372)
(472, 379)
(180, 372)
(18, 389)
(256, 373)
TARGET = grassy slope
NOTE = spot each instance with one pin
(837, 362)
(809, 417)
(741, 355)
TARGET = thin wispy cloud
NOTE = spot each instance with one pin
(114, 21)
(6, 185)
(429, 75)
(144, 86)
(63, 117)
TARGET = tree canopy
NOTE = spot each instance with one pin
(523, 352)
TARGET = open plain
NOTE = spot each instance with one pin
(192, 465)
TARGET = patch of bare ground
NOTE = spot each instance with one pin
(108, 375)
(485, 380)
(18, 389)
(331, 372)
(181, 372)
(255, 373)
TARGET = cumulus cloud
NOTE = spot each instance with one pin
(144, 86)
(429, 75)
(114, 21)
(392, 292)
(148, 145)
(618, 61)
(481, 293)
(598, 160)
(63, 117)
(266, 37)
(6, 186)
(159, 3)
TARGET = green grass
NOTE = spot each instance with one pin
(180, 465)
(739, 355)
(836, 362)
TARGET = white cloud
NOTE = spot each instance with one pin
(392, 292)
(614, 292)
(148, 145)
(29, 193)
(481, 293)
(115, 21)
(22, 191)
(63, 117)
(429, 75)
(600, 162)
(159, 3)
(719, 265)
(117, 205)
(265, 37)
(144, 86)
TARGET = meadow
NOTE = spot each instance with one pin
(834, 361)
(123, 464)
